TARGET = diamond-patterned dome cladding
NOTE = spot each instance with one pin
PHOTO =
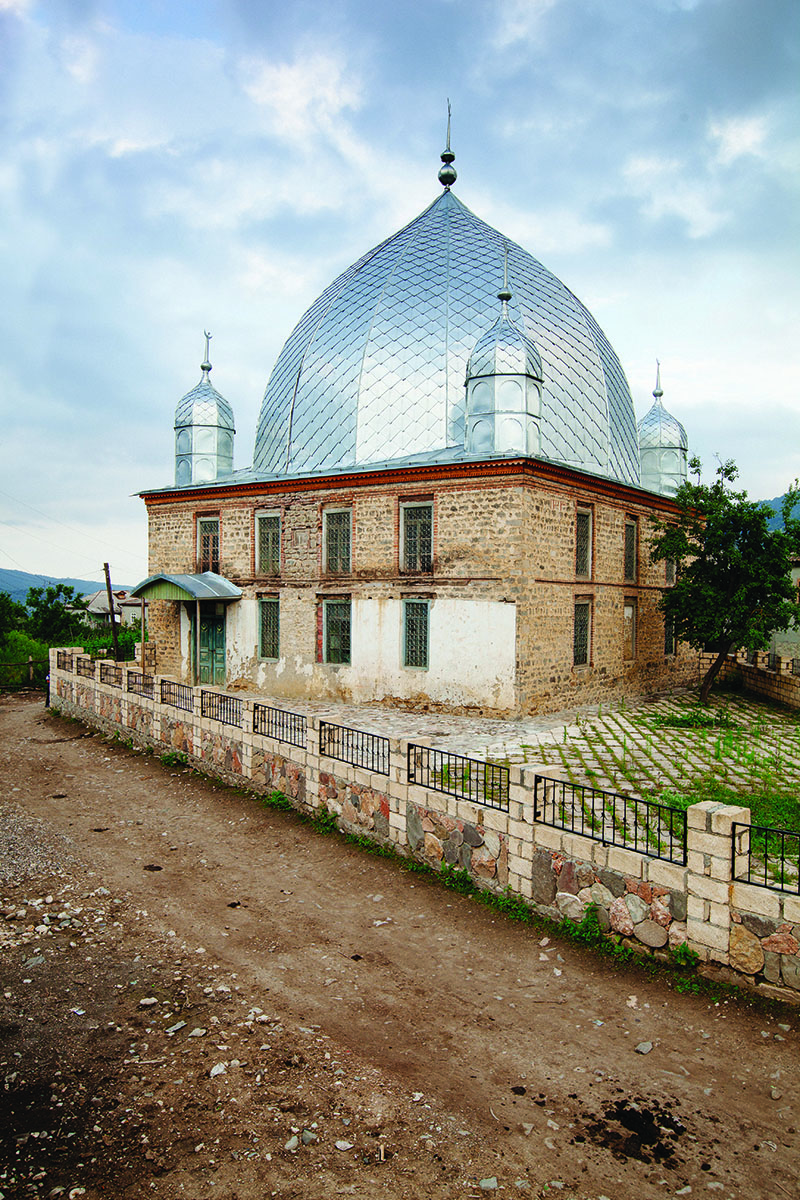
(411, 312)
(203, 405)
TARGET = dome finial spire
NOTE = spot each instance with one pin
(505, 293)
(447, 173)
(657, 392)
(205, 365)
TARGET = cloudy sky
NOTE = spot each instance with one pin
(169, 166)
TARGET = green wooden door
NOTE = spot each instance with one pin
(212, 650)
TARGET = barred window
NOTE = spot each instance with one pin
(337, 631)
(670, 642)
(336, 540)
(629, 630)
(583, 543)
(669, 570)
(416, 615)
(208, 544)
(631, 550)
(417, 535)
(581, 633)
(269, 628)
(268, 544)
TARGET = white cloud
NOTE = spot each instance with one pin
(737, 136)
(80, 57)
(305, 97)
(665, 190)
(520, 21)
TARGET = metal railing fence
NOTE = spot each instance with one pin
(609, 817)
(220, 707)
(280, 724)
(771, 857)
(111, 673)
(64, 661)
(368, 750)
(177, 695)
(141, 684)
(468, 778)
(84, 666)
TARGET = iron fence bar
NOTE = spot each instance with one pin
(280, 724)
(775, 868)
(485, 783)
(111, 674)
(64, 661)
(612, 818)
(355, 746)
(219, 707)
(141, 684)
(177, 695)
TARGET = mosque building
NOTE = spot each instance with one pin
(450, 503)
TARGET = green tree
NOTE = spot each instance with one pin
(55, 614)
(733, 586)
(12, 616)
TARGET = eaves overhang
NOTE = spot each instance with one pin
(205, 586)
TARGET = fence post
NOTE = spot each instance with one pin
(708, 879)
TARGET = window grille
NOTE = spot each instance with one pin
(337, 631)
(337, 542)
(583, 543)
(631, 548)
(269, 628)
(268, 544)
(208, 544)
(629, 629)
(417, 537)
(669, 636)
(580, 646)
(415, 633)
(669, 571)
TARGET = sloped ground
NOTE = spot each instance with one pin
(202, 998)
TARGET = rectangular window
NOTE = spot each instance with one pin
(631, 550)
(670, 645)
(581, 633)
(669, 571)
(629, 630)
(416, 525)
(336, 541)
(269, 628)
(208, 544)
(268, 543)
(336, 624)
(416, 618)
(583, 543)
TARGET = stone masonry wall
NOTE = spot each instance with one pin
(501, 539)
(649, 903)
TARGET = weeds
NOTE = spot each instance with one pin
(174, 758)
(684, 956)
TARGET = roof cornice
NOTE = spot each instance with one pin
(521, 471)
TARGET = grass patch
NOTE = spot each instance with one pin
(692, 718)
(768, 806)
(174, 758)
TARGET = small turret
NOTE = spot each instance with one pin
(204, 433)
(504, 388)
(663, 446)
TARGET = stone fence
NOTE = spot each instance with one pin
(493, 832)
(762, 673)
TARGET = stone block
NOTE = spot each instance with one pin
(520, 829)
(543, 878)
(549, 836)
(772, 967)
(708, 889)
(760, 901)
(651, 934)
(715, 844)
(710, 936)
(695, 908)
(697, 815)
(664, 874)
(790, 971)
(791, 909)
(723, 818)
(746, 953)
(625, 861)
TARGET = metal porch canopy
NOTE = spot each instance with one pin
(193, 588)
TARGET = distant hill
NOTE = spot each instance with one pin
(17, 583)
(775, 505)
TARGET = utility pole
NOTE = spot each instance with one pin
(111, 611)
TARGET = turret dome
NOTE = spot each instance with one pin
(663, 446)
(204, 431)
(375, 369)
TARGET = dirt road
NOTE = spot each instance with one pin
(203, 998)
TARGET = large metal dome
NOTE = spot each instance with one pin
(375, 369)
